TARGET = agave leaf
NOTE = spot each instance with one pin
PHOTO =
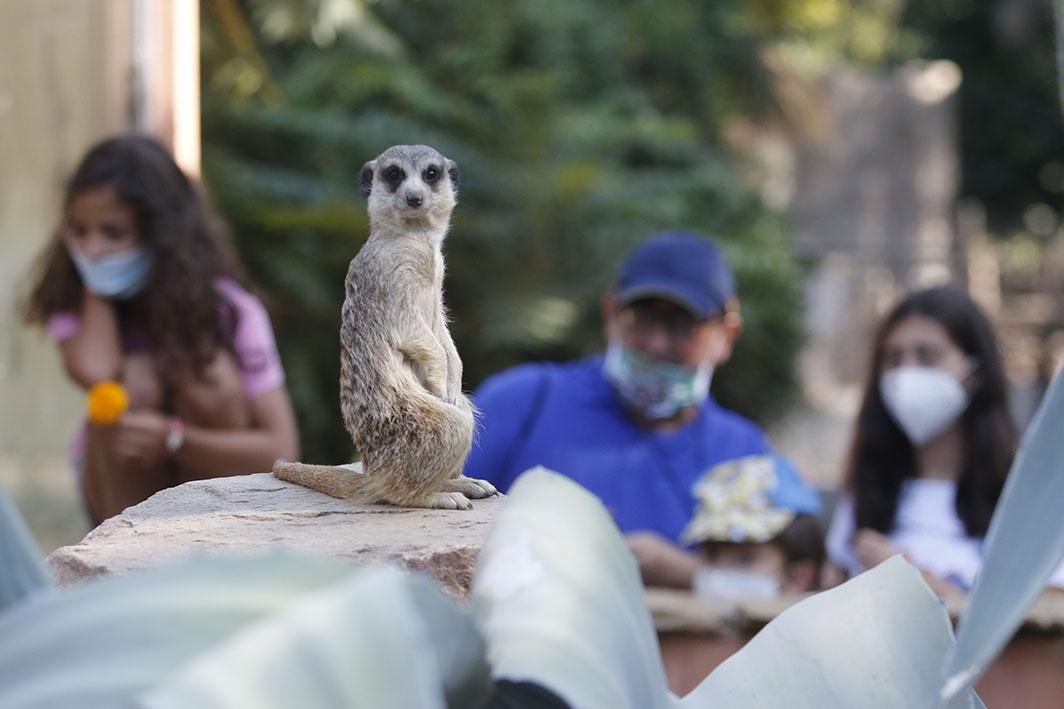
(876, 642)
(560, 602)
(359, 644)
(1024, 546)
(21, 570)
(456, 642)
(96, 645)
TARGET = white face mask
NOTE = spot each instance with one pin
(924, 401)
(734, 583)
(121, 275)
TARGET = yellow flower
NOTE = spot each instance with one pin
(107, 402)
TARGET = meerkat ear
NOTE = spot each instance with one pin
(452, 170)
(367, 177)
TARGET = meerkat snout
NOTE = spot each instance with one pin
(414, 199)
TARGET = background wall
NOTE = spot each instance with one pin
(62, 66)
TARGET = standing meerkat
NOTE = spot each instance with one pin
(400, 375)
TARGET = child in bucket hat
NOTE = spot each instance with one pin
(756, 529)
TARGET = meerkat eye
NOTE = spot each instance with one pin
(431, 174)
(393, 174)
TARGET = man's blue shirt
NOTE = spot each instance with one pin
(568, 418)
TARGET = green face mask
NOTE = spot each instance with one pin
(655, 390)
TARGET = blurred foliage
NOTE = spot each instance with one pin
(813, 35)
(1009, 112)
(580, 127)
(1011, 132)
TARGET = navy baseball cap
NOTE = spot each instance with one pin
(679, 267)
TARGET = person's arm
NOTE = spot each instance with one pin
(273, 435)
(93, 352)
(942, 588)
(873, 548)
(221, 452)
(662, 563)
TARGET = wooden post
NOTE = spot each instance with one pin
(165, 57)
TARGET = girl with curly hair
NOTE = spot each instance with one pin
(139, 286)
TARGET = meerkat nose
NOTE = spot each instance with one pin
(414, 200)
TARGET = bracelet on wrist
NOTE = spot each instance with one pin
(175, 438)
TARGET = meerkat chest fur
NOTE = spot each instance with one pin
(402, 274)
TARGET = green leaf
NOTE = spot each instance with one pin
(1024, 547)
(876, 642)
(96, 645)
(360, 643)
(21, 572)
(559, 599)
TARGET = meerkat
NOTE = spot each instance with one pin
(401, 393)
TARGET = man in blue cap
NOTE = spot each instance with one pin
(636, 426)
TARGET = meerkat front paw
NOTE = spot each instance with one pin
(449, 501)
(472, 488)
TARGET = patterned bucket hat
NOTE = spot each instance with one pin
(750, 499)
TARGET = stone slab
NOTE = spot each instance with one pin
(259, 512)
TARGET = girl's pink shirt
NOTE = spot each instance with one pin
(254, 343)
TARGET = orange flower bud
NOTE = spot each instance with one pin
(107, 402)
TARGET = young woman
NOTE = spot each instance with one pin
(933, 443)
(138, 286)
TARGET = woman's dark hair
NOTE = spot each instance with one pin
(882, 457)
(181, 312)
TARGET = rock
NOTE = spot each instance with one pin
(259, 513)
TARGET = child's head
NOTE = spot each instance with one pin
(757, 530)
(135, 230)
(935, 368)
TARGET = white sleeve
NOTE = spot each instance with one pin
(839, 539)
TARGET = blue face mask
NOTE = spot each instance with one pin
(120, 276)
(655, 390)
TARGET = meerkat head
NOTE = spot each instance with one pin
(412, 185)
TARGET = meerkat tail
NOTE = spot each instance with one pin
(343, 481)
